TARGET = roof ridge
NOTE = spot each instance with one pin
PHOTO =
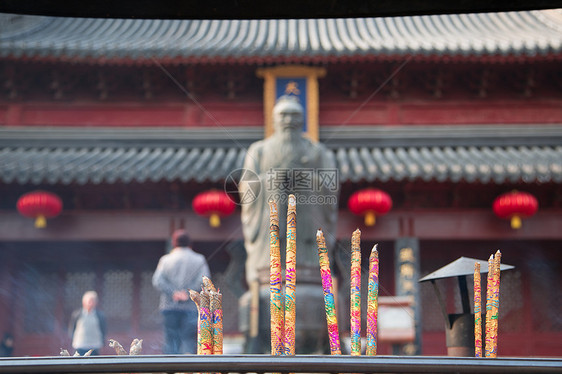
(478, 34)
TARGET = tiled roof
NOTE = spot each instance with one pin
(74, 162)
(110, 165)
(530, 33)
(122, 164)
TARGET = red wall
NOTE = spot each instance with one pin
(251, 114)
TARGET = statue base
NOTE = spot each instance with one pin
(311, 329)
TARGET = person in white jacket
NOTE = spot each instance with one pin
(87, 326)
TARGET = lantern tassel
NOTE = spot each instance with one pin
(40, 222)
(370, 218)
(515, 222)
(214, 220)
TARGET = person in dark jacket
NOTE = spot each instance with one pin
(87, 326)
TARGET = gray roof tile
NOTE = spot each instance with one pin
(96, 165)
(531, 33)
(526, 154)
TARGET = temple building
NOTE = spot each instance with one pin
(128, 121)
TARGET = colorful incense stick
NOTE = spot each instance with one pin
(215, 308)
(290, 277)
(216, 324)
(477, 312)
(196, 297)
(206, 327)
(329, 299)
(372, 302)
(355, 294)
(275, 283)
(495, 304)
(489, 291)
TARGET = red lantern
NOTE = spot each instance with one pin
(214, 204)
(39, 205)
(369, 202)
(515, 205)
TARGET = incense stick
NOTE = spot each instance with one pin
(216, 323)
(206, 329)
(290, 278)
(477, 312)
(355, 294)
(329, 299)
(276, 301)
(495, 304)
(489, 291)
(372, 302)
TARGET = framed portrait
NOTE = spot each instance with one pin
(292, 80)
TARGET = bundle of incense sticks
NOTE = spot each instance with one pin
(372, 302)
(355, 294)
(215, 304)
(477, 312)
(329, 300)
(290, 277)
(276, 301)
(210, 320)
(492, 305)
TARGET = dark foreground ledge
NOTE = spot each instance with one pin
(278, 364)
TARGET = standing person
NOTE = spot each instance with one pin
(177, 272)
(7, 345)
(87, 325)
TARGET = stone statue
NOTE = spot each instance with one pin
(286, 163)
(289, 163)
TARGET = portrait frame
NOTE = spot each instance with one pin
(277, 80)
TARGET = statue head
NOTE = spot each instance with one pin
(288, 115)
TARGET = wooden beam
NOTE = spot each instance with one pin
(447, 225)
(117, 226)
(148, 225)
